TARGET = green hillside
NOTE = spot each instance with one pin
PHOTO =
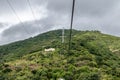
(94, 56)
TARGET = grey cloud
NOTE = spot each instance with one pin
(19, 5)
(83, 7)
(94, 7)
(19, 32)
(3, 7)
(1, 25)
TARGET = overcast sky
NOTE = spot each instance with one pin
(102, 15)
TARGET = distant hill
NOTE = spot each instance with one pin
(94, 56)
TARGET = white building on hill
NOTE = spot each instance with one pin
(50, 49)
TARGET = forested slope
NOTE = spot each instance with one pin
(94, 56)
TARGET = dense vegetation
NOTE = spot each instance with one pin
(94, 56)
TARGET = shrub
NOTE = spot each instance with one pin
(89, 76)
(18, 68)
(7, 70)
(34, 71)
